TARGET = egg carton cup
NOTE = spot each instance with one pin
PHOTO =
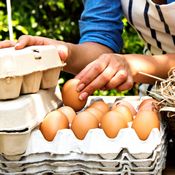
(28, 70)
(20, 116)
(48, 168)
(91, 146)
(85, 164)
(38, 156)
(107, 165)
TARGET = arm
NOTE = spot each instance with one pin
(118, 71)
(157, 65)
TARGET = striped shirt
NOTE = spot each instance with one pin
(154, 23)
(156, 26)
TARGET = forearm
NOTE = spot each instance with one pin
(79, 55)
(157, 65)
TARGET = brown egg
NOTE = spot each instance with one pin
(96, 112)
(100, 105)
(127, 104)
(125, 111)
(149, 106)
(53, 122)
(71, 96)
(112, 122)
(82, 123)
(69, 112)
(144, 122)
(146, 103)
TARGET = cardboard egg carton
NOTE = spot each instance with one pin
(68, 155)
(91, 146)
(20, 116)
(28, 70)
(67, 167)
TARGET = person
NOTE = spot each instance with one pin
(96, 59)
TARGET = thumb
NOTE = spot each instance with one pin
(63, 52)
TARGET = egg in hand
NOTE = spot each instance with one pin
(70, 95)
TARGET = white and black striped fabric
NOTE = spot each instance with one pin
(155, 24)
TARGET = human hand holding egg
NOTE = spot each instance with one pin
(70, 95)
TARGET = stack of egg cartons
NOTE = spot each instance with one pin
(28, 78)
(96, 154)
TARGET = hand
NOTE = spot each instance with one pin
(28, 40)
(7, 43)
(109, 71)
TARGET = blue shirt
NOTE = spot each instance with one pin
(101, 22)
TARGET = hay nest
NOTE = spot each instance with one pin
(164, 92)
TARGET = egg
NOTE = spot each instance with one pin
(144, 122)
(100, 105)
(53, 122)
(147, 104)
(82, 123)
(112, 122)
(127, 104)
(69, 113)
(70, 95)
(125, 111)
(96, 112)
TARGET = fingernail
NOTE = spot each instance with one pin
(83, 96)
(122, 72)
(17, 45)
(80, 87)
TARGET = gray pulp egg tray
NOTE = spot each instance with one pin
(28, 70)
(96, 154)
(20, 116)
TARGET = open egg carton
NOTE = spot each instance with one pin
(96, 154)
(28, 70)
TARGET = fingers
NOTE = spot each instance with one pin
(107, 72)
(28, 40)
(117, 79)
(90, 73)
(128, 84)
(7, 43)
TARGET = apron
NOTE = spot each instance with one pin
(155, 24)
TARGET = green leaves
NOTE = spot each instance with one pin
(58, 19)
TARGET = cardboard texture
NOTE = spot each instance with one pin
(20, 116)
(96, 154)
(28, 70)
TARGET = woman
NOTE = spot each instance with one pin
(94, 59)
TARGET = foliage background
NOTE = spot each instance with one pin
(58, 19)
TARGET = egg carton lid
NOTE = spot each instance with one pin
(27, 111)
(30, 59)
